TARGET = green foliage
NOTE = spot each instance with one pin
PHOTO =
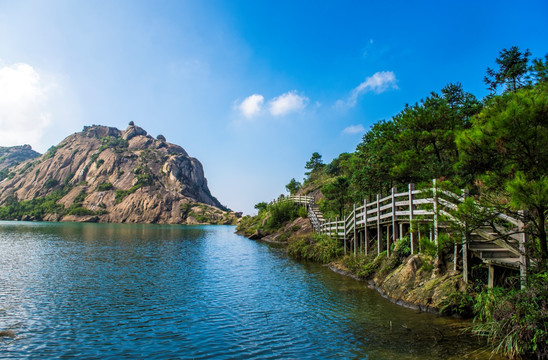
(144, 176)
(302, 213)
(515, 322)
(51, 183)
(512, 72)
(4, 173)
(36, 208)
(460, 303)
(506, 149)
(293, 186)
(364, 266)
(540, 69)
(336, 196)
(389, 264)
(79, 211)
(427, 247)
(51, 152)
(185, 209)
(80, 197)
(315, 247)
(280, 213)
(121, 194)
(27, 166)
(402, 247)
(116, 143)
(105, 187)
(314, 164)
(416, 145)
(261, 206)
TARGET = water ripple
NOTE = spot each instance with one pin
(105, 291)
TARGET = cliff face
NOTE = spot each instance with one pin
(14, 155)
(107, 175)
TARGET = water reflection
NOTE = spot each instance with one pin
(167, 291)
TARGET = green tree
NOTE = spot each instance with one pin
(506, 149)
(261, 206)
(336, 194)
(540, 69)
(315, 163)
(293, 186)
(512, 71)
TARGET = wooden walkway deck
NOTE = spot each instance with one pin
(376, 225)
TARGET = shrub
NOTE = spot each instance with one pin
(79, 211)
(427, 247)
(315, 247)
(105, 187)
(302, 213)
(50, 183)
(457, 303)
(364, 266)
(281, 213)
(81, 196)
(516, 323)
(402, 248)
(121, 194)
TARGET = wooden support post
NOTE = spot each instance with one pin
(465, 244)
(388, 240)
(337, 233)
(523, 258)
(394, 218)
(329, 228)
(491, 277)
(411, 232)
(365, 244)
(436, 230)
(455, 256)
(379, 229)
(355, 237)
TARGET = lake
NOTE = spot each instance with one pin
(115, 291)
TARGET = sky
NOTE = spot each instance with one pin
(250, 88)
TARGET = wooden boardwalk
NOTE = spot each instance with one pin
(376, 225)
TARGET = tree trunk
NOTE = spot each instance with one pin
(542, 235)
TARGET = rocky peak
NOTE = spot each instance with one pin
(118, 176)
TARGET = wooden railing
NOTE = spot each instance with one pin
(387, 219)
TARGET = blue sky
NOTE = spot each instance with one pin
(250, 88)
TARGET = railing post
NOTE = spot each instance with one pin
(436, 230)
(411, 233)
(465, 242)
(523, 258)
(394, 218)
(355, 237)
(379, 229)
(365, 226)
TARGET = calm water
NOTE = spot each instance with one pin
(151, 291)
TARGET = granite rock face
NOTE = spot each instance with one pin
(14, 155)
(118, 176)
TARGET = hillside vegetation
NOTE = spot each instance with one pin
(103, 174)
(495, 148)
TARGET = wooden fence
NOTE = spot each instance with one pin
(376, 225)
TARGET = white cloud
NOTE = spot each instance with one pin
(379, 82)
(252, 105)
(354, 129)
(287, 103)
(24, 112)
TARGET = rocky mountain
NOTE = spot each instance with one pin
(14, 155)
(107, 175)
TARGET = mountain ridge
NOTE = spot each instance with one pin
(108, 175)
